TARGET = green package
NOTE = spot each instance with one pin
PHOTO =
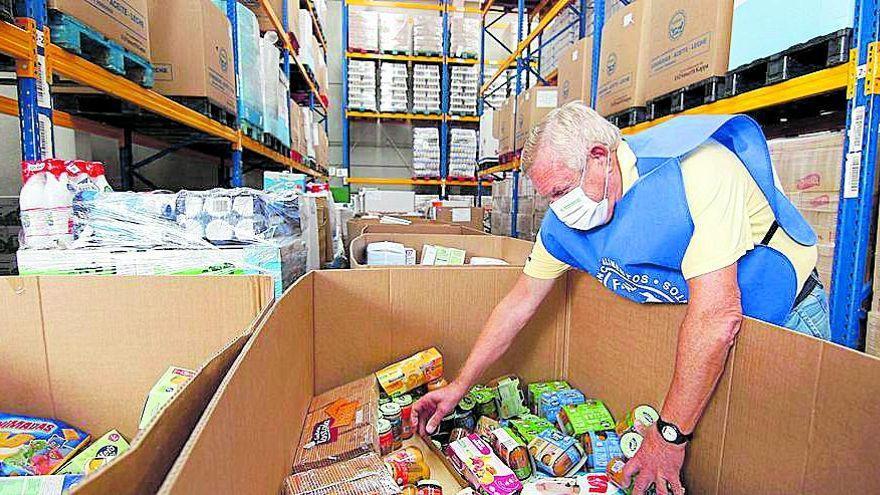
(592, 415)
(536, 389)
(54, 484)
(528, 426)
(97, 454)
(163, 391)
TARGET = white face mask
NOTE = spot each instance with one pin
(576, 210)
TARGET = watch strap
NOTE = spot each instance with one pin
(681, 438)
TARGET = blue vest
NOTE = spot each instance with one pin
(638, 253)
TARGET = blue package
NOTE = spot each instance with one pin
(550, 403)
(600, 448)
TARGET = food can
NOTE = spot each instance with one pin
(630, 443)
(437, 384)
(429, 487)
(386, 438)
(615, 471)
(409, 490)
(464, 416)
(484, 397)
(407, 466)
(556, 454)
(405, 402)
(512, 452)
(458, 434)
(638, 420)
(391, 412)
(384, 400)
(447, 424)
(600, 447)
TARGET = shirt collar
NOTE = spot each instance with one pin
(629, 174)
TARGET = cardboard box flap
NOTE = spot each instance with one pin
(421, 228)
(514, 251)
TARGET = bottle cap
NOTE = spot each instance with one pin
(383, 426)
(389, 409)
(403, 400)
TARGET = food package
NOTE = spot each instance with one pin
(550, 403)
(56, 484)
(412, 372)
(592, 415)
(478, 464)
(600, 447)
(363, 30)
(534, 391)
(32, 446)
(557, 454)
(528, 426)
(169, 383)
(99, 453)
(426, 152)
(362, 475)
(513, 452)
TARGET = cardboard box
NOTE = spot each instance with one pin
(471, 217)
(505, 126)
(277, 7)
(377, 201)
(575, 76)
(872, 336)
(197, 61)
(689, 42)
(532, 106)
(772, 426)
(513, 251)
(809, 163)
(623, 69)
(126, 23)
(421, 228)
(355, 226)
(92, 365)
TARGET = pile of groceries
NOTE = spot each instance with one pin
(504, 438)
(40, 456)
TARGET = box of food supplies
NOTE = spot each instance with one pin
(125, 23)
(474, 250)
(105, 377)
(789, 414)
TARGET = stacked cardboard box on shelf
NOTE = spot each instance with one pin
(277, 7)
(393, 87)
(464, 82)
(426, 88)
(530, 213)
(532, 106)
(126, 23)
(362, 85)
(426, 152)
(625, 56)
(427, 36)
(488, 142)
(575, 77)
(363, 30)
(464, 39)
(561, 36)
(462, 152)
(395, 33)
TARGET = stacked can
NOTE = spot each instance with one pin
(391, 412)
(405, 402)
(631, 429)
(484, 397)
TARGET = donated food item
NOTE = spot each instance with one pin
(615, 475)
(556, 454)
(409, 490)
(485, 399)
(405, 402)
(407, 466)
(485, 426)
(528, 426)
(36, 446)
(597, 483)
(638, 420)
(386, 437)
(392, 412)
(630, 443)
(465, 416)
(509, 398)
(55, 484)
(600, 447)
(458, 434)
(386, 254)
(364, 474)
(410, 256)
(437, 384)
(486, 473)
(429, 487)
(97, 454)
(343, 427)
(447, 424)
(552, 486)
(512, 452)
(535, 390)
(163, 391)
(412, 372)
(592, 415)
(482, 261)
(550, 403)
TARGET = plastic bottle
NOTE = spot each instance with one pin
(58, 203)
(33, 213)
(96, 174)
(78, 177)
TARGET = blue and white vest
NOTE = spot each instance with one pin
(638, 253)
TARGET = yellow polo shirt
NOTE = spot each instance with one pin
(730, 214)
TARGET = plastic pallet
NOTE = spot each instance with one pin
(275, 144)
(207, 108)
(427, 53)
(426, 177)
(361, 50)
(811, 56)
(395, 52)
(426, 112)
(700, 93)
(628, 117)
(252, 131)
(74, 36)
(6, 11)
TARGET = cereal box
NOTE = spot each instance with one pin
(36, 446)
(97, 454)
(476, 461)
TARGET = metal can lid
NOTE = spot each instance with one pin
(630, 443)
(383, 426)
(389, 409)
(467, 403)
(428, 483)
(403, 400)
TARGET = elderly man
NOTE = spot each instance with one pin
(687, 212)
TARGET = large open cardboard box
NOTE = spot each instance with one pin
(791, 414)
(87, 350)
(513, 251)
(421, 228)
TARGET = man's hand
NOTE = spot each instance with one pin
(433, 407)
(657, 461)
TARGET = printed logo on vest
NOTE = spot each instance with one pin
(635, 285)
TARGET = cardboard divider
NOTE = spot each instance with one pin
(513, 251)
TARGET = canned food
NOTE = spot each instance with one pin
(484, 397)
(466, 420)
(391, 412)
(458, 434)
(592, 415)
(386, 438)
(405, 402)
(384, 400)
(429, 487)
(437, 384)
(447, 424)
(556, 454)
(512, 452)
(600, 447)
(630, 443)
(638, 420)
(407, 466)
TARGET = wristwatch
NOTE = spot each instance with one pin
(672, 433)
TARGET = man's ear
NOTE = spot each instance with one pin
(599, 151)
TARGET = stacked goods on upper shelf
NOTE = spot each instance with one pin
(124, 23)
(193, 63)
(321, 145)
(320, 7)
(462, 153)
(271, 78)
(277, 6)
(504, 126)
(394, 86)
(530, 212)
(561, 34)
(250, 84)
(395, 34)
(625, 57)
(297, 132)
(488, 142)
(427, 34)
(576, 72)
(426, 88)
(531, 108)
(463, 87)
(498, 91)
(756, 32)
(426, 152)
(363, 30)
(10, 229)
(689, 42)
(809, 170)
(362, 85)
(464, 39)
(321, 77)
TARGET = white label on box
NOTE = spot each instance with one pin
(547, 99)
(342, 172)
(461, 214)
(852, 174)
(429, 254)
(857, 129)
(629, 19)
(331, 171)
(574, 55)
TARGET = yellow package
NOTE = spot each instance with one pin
(412, 372)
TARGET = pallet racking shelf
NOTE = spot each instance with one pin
(859, 79)
(28, 41)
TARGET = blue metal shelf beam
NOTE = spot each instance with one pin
(35, 104)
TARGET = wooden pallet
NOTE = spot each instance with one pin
(628, 117)
(76, 37)
(693, 95)
(207, 108)
(812, 56)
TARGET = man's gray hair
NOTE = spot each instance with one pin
(566, 135)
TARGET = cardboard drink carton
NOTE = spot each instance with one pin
(163, 391)
(97, 454)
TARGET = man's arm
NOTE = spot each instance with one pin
(713, 319)
(505, 322)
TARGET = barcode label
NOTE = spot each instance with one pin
(47, 147)
(852, 174)
(857, 129)
(43, 99)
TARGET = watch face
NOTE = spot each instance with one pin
(669, 433)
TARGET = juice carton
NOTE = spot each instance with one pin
(536, 389)
(54, 484)
(528, 426)
(163, 391)
(36, 446)
(550, 403)
(474, 459)
(97, 454)
(411, 373)
(557, 454)
(600, 447)
(592, 415)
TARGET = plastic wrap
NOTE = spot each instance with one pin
(426, 152)
(362, 85)
(363, 30)
(270, 57)
(464, 38)
(427, 34)
(462, 152)
(284, 103)
(463, 86)
(250, 85)
(395, 33)
(393, 88)
(426, 88)
(362, 475)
